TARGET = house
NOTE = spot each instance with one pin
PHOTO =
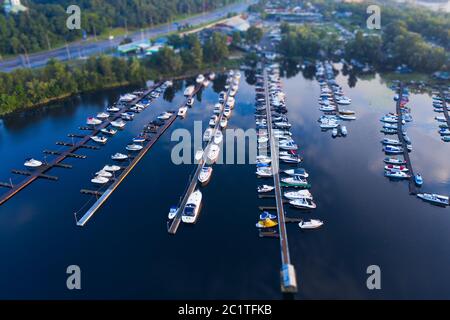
(13, 6)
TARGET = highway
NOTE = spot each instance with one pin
(85, 48)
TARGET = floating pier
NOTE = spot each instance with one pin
(287, 273)
(444, 109)
(70, 152)
(401, 138)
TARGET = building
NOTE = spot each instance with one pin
(12, 6)
(134, 47)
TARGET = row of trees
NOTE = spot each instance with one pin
(44, 24)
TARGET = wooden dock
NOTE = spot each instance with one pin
(175, 224)
(444, 109)
(70, 152)
(287, 274)
(401, 138)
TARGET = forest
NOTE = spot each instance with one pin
(43, 26)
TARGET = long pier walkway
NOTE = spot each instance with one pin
(401, 138)
(70, 152)
(287, 273)
(174, 225)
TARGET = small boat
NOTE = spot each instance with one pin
(200, 78)
(218, 108)
(263, 140)
(127, 116)
(282, 124)
(108, 131)
(265, 188)
(264, 172)
(440, 119)
(218, 137)
(189, 90)
(418, 180)
(393, 167)
(394, 161)
(111, 168)
(300, 194)
(311, 224)
(99, 180)
(267, 223)
(136, 108)
(208, 134)
(223, 123)
(446, 138)
(119, 156)
(297, 172)
(212, 76)
(295, 182)
(392, 149)
(266, 215)
(192, 207)
(190, 102)
(103, 115)
(198, 155)
(344, 101)
(334, 132)
(112, 109)
(164, 116)
(97, 139)
(289, 145)
(347, 117)
(205, 174)
(290, 158)
(118, 124)
(343, 130)
(93, 121)
(389, 131)
(392, 142)
(32, 163)
(303, 203)
(390, 126)
(444, 132)
(327, 108)
(346, 111)
(134, 147)
(213, 120)
(434, 198)
(329, 125)
(182, 112)
(139, 139)
(396, 174)
(227, 112)
(172, 212)
(104, 173)
(213, 153)
(263, 159)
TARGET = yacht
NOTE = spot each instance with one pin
(393, 167)
(99, 180)
(392, 149)
(344, 131)
(32, 163)
(346, 111)
(111, 168)
(311, 224)
(118, 124)
(213, 120)
(164, 116)
(347, 117)
(208, 134)
(329, 125)
(218, 137)
(205, 174)
(218, 107)
(434, 198)
(297, 172)
(265, 188)
(108, 131)
(119, 156)
(344, 100)
(392, 142)
(102, 115)
(97, 139)
(418, 180)
(334, 132)
(396, 161)
(223, 123)
(396, 174)
(264, 172)
(189, 91)
(295, 182)
(263, 140)
(192, 208)
(288, 145)
(182, 112)
(139, 139)
(327, 108)
(198, 155)
(230, 102)
(263, 159)
(290, 159)
(300, 194)
(213, 153)
(134, 147)
(303, 203)
(112, 109)
(127, 116)
(227, 112)
(93, 121)
(104, 173)
(172, 212)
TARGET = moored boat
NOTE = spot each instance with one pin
(434, 198)
(32, 163)
(192, 208)
(311, 224)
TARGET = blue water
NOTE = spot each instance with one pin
(125, 251)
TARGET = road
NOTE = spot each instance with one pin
(82, 49)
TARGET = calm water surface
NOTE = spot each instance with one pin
(125, 251)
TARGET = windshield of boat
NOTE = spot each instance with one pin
(189, 210)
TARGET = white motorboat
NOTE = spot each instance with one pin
(139, 139)
(32, 163)
(200, 78)
(303, 203)
(393, 167)
(102, 115)
(108, 131)
(198, 155)
(127, 97)
(189, 91)
(346, 111)
(192, 208)
(164, 116)
(172, 212)
(265, 188)
(218, 107)
(392, 142)
(119, 156)
(264, 172)
(190, 102)
(182, 112)
(223, 122)
(134, 147)
(329, 125)
(290, 158)
(297, 172)
(111, 168)
(263, 159)
(230, 102)
(205, 174)
(263, 140)
(218, 137)
(396, 174)
(434, 198)
(227, 112)
(212, 76)
(104, 173)
(327, 108)
(311, 224)
(208, 134)
(344, 131)
(347, 117)
(92, 121)
(300, 194)
(112, 109)
(97, 139)
(127, 116)
(334, 132)
(394, 161)
(213, 120)
(344, 101)
(99, 180)
(288, 145)
(118, 124)
(213, 153)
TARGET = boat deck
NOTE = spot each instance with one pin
(70, 152)
(287, 274)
